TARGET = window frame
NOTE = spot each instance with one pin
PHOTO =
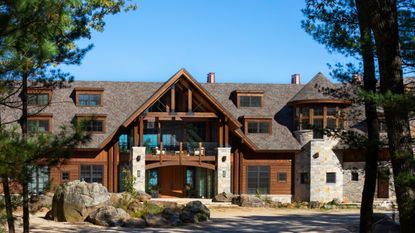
(40, 91)
(248, 120)
(258, 178)
(250, 94)
(300, 119)
(303, 179)
(69, 176)
(102, 118)
(286, 177)
(91, 172)
(354, 176)
(89, 91)
(40, 117)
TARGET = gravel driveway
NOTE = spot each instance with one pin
(233, 220)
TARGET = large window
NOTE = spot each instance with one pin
(250, 101)
(89, 99)
(258, 179)
(319, 117)
(92, 173)
(38, 125)
(259, 127)
(37, 99)
(39, 180)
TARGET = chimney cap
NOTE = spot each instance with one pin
(295, 79)
(211, 77)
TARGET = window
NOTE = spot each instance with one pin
(92, 173)
(65, 176)
(305, 178)
(318, 117)
(94, 124)
(355, 176)
(259, 127)
(39, 180)
(124, 143)
(330, 177)
(37, 99)
(258, 179)
(282, 177)
(38, 125)
(89, 99)
(88, 96)
(250, 101)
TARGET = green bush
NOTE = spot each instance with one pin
(128, 181)
(149, 208)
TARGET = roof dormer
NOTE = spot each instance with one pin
(248, 99)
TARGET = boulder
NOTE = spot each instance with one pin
(245, 200)
(223, 197)
(134, 223)
(142, 196)
(75, 200)
(314, 205)
(108, 216)
(172, 216)
(135, 206)
(38, 202)
(120, 199)
(155, 220)
(195, 212)
(165, 204)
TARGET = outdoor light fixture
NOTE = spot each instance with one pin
(224, 172)
(138, 173)
(316, 155)
(223, 158)
(138, 158)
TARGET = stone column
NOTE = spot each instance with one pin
(138, 165)
(223, 172)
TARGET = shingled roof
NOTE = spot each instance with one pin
(313, 90)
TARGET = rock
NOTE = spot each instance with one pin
(142, 196)
(49, 215)
(195, 212)
(314, 205)
(120, 199)
(382, 223)
(135, 206)
(245, 200)
(134, 223)
(165, 204)
(155, 220)
(75, 200)
(38, 202)
(223, 197)
(108, 216)
(172, 216)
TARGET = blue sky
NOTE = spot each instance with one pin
(241, 41)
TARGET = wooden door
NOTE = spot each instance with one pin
(383, 187)
(171, 181)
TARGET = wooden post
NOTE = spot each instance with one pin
(141, 131)
(180, 153)
(173, 99)
(200, 153)
(115, 169)
(110, 168)
(189, 101)
(158, 131)
(161, 149)
(135, 135)
(226, 133)
(220, 132)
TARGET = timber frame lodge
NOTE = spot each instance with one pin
(182, 138)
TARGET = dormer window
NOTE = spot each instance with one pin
(92, 123)
(38, 97)
(88, 97)
(256, 125)
(249, 99)
(39, 123)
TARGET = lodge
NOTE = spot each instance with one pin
(182, 138)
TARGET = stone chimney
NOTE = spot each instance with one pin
(357, 77)
(295, 79)
(211, 77)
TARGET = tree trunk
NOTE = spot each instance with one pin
(25, 173)
(383, 14)
(372, 121)
(8, 202)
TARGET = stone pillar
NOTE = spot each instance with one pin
(303, 136)
(138, 165)
(223, 172)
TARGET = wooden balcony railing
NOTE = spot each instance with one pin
(201, 151)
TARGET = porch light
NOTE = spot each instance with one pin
(138, 158)
(223, 158)
(138, 173)
(224, 173)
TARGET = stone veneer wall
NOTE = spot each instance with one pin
(323, 160)
(352, 190)
(139, 168)
(223, 171)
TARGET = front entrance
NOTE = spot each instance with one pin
(180, 181)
